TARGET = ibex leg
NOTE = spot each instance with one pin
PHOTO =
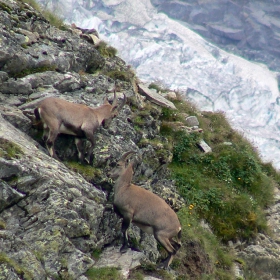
(79, 145)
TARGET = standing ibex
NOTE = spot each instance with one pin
(145, 209)
(61, 116)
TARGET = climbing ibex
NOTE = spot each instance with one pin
(61, 116)
(145, 209)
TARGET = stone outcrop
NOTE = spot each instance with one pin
(53, 215)
(155, 97)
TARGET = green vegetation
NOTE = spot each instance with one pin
(2, 224)
(96, 254)
(104, 273)
(216, 258)
(9, 150)
(5, 7)
(118, 75)
(23, 273)
(88, 172)
(30, 71)
(106, 50)
(52, 17)
(230, 187)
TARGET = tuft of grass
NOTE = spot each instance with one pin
(2, 225)
(5, 7)
(96, 254)
(88, 172)
(30, 71)
(119, 75)
(53, 18)
(105, 50)
(104, 273)
(9, 150)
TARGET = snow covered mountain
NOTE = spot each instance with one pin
(162, 49)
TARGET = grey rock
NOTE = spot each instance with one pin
(8, 196)
(155, 97)
(111, 257)
(204, 147)
(7, 272)
(15, 87)
(16, 118)
(192, 121)
(8, 168)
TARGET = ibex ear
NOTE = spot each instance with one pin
(106, 101)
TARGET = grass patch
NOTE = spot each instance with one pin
(5, 7)
(2, 225)
(96, 254)
(51, 16)
(124, 76)
(104, 273)
(201, 250)
(105, 50)
(30, 71)
(230, 187)
(9, 150)
(87, 171)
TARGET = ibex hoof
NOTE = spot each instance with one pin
(124, 249)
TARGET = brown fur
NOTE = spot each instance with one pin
(60, 116)
(145, 209)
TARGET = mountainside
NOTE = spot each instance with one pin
(167, 51)
(57, 219)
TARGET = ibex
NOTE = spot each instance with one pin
(145, 209)
(61, 116)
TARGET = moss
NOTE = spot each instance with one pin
(96, 254)
(104, 273)
(88, 172)
(136, 275)
(119, 75)
(5, 7)
(24, 46)
(30, 71)
(9, 150)
(23, 273)
(2, 225)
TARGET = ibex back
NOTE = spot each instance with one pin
(60, 116)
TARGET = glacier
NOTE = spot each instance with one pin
(167, 51)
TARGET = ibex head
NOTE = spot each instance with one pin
(120, 166)
(114, 109)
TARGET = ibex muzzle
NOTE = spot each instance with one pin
(60, 116)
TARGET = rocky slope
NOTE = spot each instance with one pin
(54, 215)
(168, 51)
(51, 217)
